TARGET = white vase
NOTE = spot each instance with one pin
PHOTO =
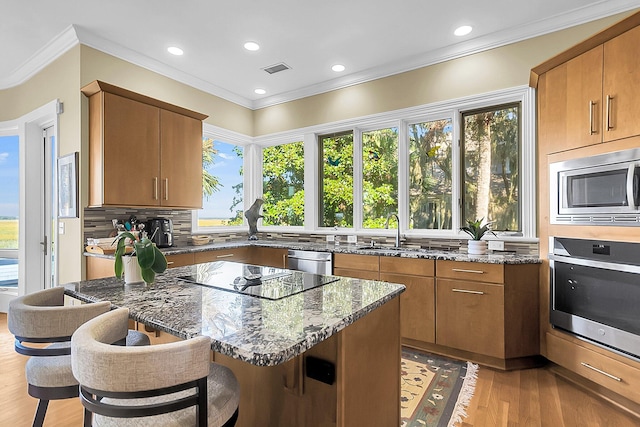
(477, 247)
(132, 273)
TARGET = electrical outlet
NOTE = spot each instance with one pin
(331, 238)
(496, 245)
(352, 239)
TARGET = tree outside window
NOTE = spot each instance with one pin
(379, 176)
(336, 180)
(430, 163)
(491, 147)
(283, 184)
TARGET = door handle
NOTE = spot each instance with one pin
(463, 270)
(467, 291)
(45, 247)
(606, 374)
(592, 131)
(155, 188)
(166, 188)
(609, 99)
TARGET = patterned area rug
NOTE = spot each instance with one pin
(435, 390)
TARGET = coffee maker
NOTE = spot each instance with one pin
(160, 231)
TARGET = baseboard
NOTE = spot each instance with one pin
(515, 363)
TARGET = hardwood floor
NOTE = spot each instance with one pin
(530, 398)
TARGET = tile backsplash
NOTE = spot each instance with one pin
(97, 224)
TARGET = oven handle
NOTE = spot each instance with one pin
(596, 264)
(631, 186)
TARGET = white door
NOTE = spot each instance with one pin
(36, 213)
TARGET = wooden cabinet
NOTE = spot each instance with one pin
(570, 103)
(270, 257)
(592, 97)
(142, 152)
(489, 311)
(179, 260)
(235, 254)
(98, 268)
(417, 302)
(359, 266)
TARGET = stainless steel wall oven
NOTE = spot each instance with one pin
(595, 292)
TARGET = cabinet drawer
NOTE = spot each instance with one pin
(476, 271)
(612, 374)
(236, 254)
(415, 267)
(357, 262)
(179, 260)
(358, 274)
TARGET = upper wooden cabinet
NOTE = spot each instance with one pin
(587, 94)
(142, 152)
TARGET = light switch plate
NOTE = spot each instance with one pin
(496, 245)
(352, 239)
(60, 227)
(331, 238)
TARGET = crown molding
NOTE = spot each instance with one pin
(114, 49)
(74, 35)
(559, 22)
(43, 57)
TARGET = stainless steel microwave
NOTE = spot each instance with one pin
(602, 189)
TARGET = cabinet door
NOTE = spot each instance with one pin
(236, 254)
(622, 85)
(417, 306)
(131, 156)
(470, 316)
(181, 154)
(270, 257)
(179, 260)
(570, 103)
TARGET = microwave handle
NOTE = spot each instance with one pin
(632, 186)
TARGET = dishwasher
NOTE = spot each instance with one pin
(310, 261)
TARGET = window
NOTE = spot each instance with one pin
(430, 185)
(283, 184)
(491, 147)
(379, 176)
(9, 210)
(222, 184)
(336, 180)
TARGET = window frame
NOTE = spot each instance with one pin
(453, 109)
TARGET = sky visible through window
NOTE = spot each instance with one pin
(226, 167)
(9, 197)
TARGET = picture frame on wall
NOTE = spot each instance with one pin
(68, 186)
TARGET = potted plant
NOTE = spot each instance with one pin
(477, 230)
(150, 260)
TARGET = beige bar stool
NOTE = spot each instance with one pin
(42, 317)
(166, 384)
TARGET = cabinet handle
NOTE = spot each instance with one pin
(170, 262)
(609, 99)
(284, 260)
(155, 188)
(592, 131)
(467, 291)
(606, 374)
(224, 256)
(166, 188)
(462, 270)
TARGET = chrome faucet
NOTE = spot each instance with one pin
(386, 225)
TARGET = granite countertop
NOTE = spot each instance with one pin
(437, 254)
(255, 330)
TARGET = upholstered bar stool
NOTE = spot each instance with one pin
(42, 317)
(171, 384)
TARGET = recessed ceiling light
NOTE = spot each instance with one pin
(251, 46)
(260, 91)
(175, 50)
(463, 31)
(338, 68)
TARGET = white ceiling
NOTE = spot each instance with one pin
(372, 39)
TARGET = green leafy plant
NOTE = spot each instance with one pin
(150, 259)
(476, 230)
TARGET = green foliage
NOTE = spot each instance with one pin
(476, 229)
(283, 185)
(379, 176)
(150, 259)
(210, 183)
(336, 194)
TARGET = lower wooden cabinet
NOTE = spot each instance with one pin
(270, 257)
(470, 316)
(417, 302)
(358, 266)
(235, 254)
(615, 375)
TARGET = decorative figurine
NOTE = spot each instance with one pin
(252, 215)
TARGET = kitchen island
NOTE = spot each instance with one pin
(328, 355)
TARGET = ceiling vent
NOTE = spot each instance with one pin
(277, 68)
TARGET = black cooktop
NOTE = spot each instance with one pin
(258, 281)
